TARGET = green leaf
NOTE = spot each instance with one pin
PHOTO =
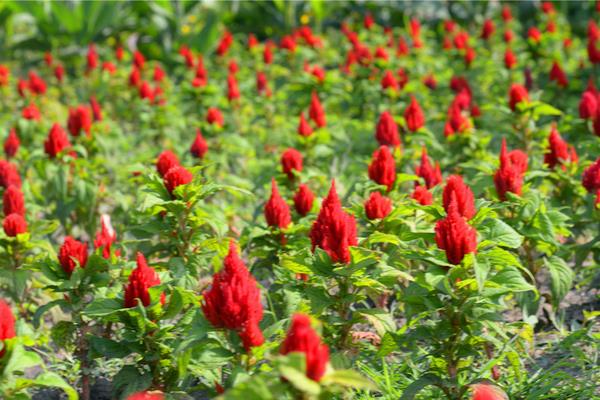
(293, 368)
(109, 348)
(500, 233)
(414, 388)
(348, 378)
(561, 278)
(103, 307)
(50, 379)
(511, 278)
(381, 320)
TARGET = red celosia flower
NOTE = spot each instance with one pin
(383, 168)
(509, 177)
(109, 67)
(431, 175)
(534, 34)
(4, 74)
(368, 21)
(291, 160)
(510, 60)
(59, 72)
(588, 106)
(389, 81)
(139, 60)
(377, 206)
(57, 141)
(415, 119)
(141, 279)
(106, 237)
(177, 176)
(80, 119)
(233, 300)
(233, 92)
(591, 177)
(316, 111)
(558, 75)
(11, 144)
(277, 212)
(486, 391)
(517, 94)
(159, 74)
(7, 324)
(268, 53)
(13, 201)
(318, 73)
(506, 13)
(36, 84)
(252, 41)
(303, 200)
(232, 67)
(402, 49)
(304, 128)
(288, 43)
(96, 110)
(302, 338)
(457, 121)
(487, 29)
(558, 152)
(454, 235)
(145, 91)
(165, 161)
(14, 224)
(22, 86)
(214, 116)
(381, 54)
(458, 189)
(31, 112)
(119, 53)
(262, 85)
(225, 43)
(188, 56)
(387, 131)
(199, 146)
(422, 195)
(71, 253)
(135, 77)
(92, 58)
(334, 230)
(430, 81)
(146, 396)
(9, 175)
(548, 7)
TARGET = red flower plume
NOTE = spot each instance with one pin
(199, 146)
(383, 168)
(31, 112)
(233, 91)
(303, 200)
(165, 161)
(57, 141)
(454, 235)
(415, 119)
(431, 175)
(422, 195)
(316, 111)
(304, 128)
(11, 144)
(558, 75)
(517, 94)
(277, 212)
(591, 177)
(141, 279)
(233, 300)
(14, 224)
(106, 237)
(145, 395)
(486, 391)
(389, 81)
(509, 177)
(71, 253)
(387, 131)
(177, 176)
(291, 160)
(214, 116)
(13, 201)
(334, 230)
(9, 175)
(7, 324)
(302, 338)
(588, 105)
(80, 119)
(458, 189)
(558, 152)
(377, 206)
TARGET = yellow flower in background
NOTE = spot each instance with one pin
(191, 18)
(111, 41)
(304, 19)
(185, 29)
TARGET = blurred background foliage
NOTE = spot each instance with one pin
(158, 27)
